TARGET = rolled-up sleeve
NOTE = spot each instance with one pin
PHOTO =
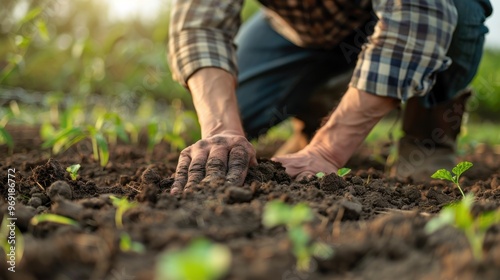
(201, 35)
(407, 48)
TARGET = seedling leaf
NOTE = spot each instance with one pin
(320, 174)
(461, 168)
(442, 174)
(102, 147)
(54, 219)
(73, 170)
(4, 233)
(343, 171)
(201, 260)
(127, 245)
(6, 138)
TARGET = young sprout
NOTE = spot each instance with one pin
(122, 205)
(54, 219)
(73, 171)
(294, 217)
(320, 174)
(201, 260)
(5, 137)
(127, 245)
(343, 171)
(460, 216)
(12, 243)
(457, 170)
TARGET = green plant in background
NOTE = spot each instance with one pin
(457, 170)
(460, 216)
(5, 137)
(73, 171)
(201, 260)
(7, 243)
(73, 131)
(294, 218)
(54, 219)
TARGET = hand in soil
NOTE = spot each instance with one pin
(220, 156)
(307, 162)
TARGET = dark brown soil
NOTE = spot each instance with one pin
(374, 223)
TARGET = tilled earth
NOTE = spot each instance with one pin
(373, 222)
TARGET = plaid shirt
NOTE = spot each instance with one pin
(399, 60)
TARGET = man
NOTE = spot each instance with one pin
(294, 47)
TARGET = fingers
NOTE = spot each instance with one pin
(217, 163)
(181, 173)
(196, 171)
(237, 165)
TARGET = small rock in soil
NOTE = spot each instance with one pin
(67, 208)
(357, 180)
(35, 202)
(150, 176)
(43, 197)
(23, 215)
(59, 189)
(238, 195)
(495, 182)
(331, 183)
(93, 202)
(41, 209)
(149, 193)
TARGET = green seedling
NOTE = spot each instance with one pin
(460, 216)
(278, 213)
(54, 219)
(5, 137)
(343, 171)
(12, 242)
(320, 174)
(122, 205)
(458, 170)
(201, 260)
(73, 171)
(127, 245)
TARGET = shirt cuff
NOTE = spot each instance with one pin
(192, 50)
(406, 50)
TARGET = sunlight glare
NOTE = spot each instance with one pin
(126, 9)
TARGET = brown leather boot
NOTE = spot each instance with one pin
(430, 138)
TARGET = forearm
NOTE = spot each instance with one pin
(214, 98)
(350, 123)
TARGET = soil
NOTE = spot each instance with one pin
(374, 223)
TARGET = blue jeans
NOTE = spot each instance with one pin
(277, 78)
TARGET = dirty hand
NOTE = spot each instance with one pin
(224, 156)
(307, 162)
(335, 142)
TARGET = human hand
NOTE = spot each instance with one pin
(227, 156)
(307, 162)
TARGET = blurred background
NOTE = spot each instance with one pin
(110, 56)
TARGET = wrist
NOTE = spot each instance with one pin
(214, 98)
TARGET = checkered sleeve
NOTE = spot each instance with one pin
(201, 35)
(407, 49)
